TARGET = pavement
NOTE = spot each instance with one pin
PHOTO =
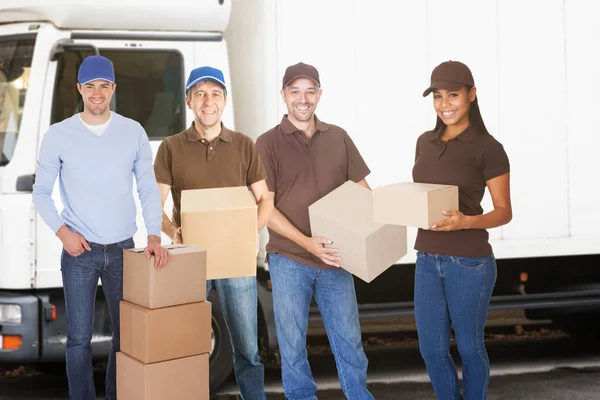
(534, 362)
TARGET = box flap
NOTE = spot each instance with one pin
(173, 249)
(136, 250)
(350, 205)
(125, 321)
(415, 187)
(131, 378)
(216, 199)
(139, 341)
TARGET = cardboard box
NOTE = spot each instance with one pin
(345, 216)
(165, 333)
(182, 280)
(223, 221)
(182, 379)
(414, 204)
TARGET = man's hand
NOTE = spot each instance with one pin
(73, 242)
(317, 246)
(161, 255)
(175, 234)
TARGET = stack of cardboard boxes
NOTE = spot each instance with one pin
(165, 327)
(369, 227)
(165, 318)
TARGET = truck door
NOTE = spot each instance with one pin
(23, 68)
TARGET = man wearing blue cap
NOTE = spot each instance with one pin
(96, 154)
(208, 155)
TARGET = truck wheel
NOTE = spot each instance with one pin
(221, 362)
(585, 325)
(52, 368)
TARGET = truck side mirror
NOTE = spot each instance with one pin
(25, 183)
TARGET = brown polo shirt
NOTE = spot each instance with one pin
(467, 161)
(188, 161)
(300, 172)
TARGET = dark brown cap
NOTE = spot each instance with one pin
(450, 75)
(300, 70)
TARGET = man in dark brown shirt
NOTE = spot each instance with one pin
(305, 159)
(208, 155)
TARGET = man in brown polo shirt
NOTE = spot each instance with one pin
(208, 155)
(305, 159)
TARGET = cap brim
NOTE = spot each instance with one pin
(298, 77)
(96, 79)
(445, 85)
(206, 79)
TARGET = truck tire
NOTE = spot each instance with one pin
(221, 361)
(583, 325)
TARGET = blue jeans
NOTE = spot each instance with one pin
(237, 297)
(80, 281)
(454, 292)
(294, 286)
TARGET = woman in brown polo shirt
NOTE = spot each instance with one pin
(455, 268)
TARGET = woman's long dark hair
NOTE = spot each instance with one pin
(475, 118)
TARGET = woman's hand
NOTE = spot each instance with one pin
(455, 221)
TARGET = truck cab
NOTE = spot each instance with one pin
(153, 49)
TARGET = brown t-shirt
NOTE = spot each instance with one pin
(188, 161)
(467, 161)
(300, 172)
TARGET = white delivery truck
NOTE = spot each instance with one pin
(153, 47)
(533, 68)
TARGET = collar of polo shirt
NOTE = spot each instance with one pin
(194, 136)
(465, 136)
(288, 128)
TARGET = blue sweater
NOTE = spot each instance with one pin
(96, 180)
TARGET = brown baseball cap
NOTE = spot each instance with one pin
(300, 70)
(450, 75)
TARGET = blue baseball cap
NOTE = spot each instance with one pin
(96, 67)
(206, 74)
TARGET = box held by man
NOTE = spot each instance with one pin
(224, 222)
(345, 216)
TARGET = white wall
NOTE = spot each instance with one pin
(533, 61)
(583, 105)
(533, 114)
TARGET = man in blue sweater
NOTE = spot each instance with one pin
(96, 154)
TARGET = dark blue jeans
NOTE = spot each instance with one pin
(294, 286)
(237, 297)
(80, 282)
(454, 292)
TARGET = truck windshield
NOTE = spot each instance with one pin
(149, 88)
(15, 63)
